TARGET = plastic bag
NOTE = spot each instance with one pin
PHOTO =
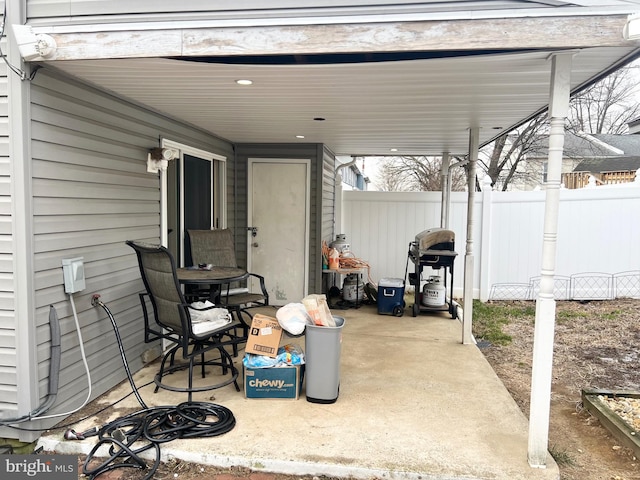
(318, 309)
(287, 355)
(293, 318)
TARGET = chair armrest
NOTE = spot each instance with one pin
(263, 287)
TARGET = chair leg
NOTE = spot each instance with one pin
(203, 364)
(224, 358)
(170, 354)
(190, 389)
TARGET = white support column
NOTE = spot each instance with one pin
(545, 306)
(485, 237)
(467, 335)
(444, 185)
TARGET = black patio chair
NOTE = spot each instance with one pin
(172, 320)
(216, 247)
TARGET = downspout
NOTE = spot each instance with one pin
(337, 185)
(444, 185)
(461, 163)
(54, 373)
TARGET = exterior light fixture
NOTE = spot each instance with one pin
(158, 158)
(299, 136)
(393, 149)
(244, 81)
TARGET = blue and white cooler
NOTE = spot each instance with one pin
(391, 296)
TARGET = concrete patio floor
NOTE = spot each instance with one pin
(414, 403)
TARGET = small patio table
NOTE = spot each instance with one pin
(213, 276)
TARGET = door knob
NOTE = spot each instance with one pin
(254, 244)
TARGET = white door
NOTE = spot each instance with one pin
(278, 220)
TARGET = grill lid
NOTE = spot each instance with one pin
(434, 236)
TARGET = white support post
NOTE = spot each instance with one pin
(467, 335)
(337, 208)
(444, 185)
(485, 236)
(541, 374)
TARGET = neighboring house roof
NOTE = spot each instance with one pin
(576, 146)
(585, 145)
(629, 144)
(634, 126)
(610, 164)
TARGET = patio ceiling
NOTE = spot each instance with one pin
(417, 106)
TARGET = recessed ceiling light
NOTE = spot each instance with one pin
(393, 149)
(299, 136)
(244, 82)
(319, 119)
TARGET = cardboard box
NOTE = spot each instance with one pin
(264, 336)
(274, 382)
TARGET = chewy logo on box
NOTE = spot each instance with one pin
(274, 382)
(264, 336)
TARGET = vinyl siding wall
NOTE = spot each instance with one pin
(112, 11)
(91, 192)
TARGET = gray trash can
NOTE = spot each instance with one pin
(322, 358)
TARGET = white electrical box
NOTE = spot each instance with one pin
(73, 270)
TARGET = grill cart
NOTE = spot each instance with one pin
(433, 248)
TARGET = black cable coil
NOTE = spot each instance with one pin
(146, 429)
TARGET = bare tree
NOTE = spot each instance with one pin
(608, 105)
(604, 107)
(506, 153)
(416, 174)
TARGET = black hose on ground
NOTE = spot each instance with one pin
(127, 437)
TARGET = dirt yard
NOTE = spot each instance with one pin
(596, 346)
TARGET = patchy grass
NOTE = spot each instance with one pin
(612, 315)
(489, 319)
(562, 456)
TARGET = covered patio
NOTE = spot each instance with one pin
(441, 80)
(443, 413)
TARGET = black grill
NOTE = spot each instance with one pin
(434, 248)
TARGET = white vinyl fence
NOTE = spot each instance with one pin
(598, 244)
